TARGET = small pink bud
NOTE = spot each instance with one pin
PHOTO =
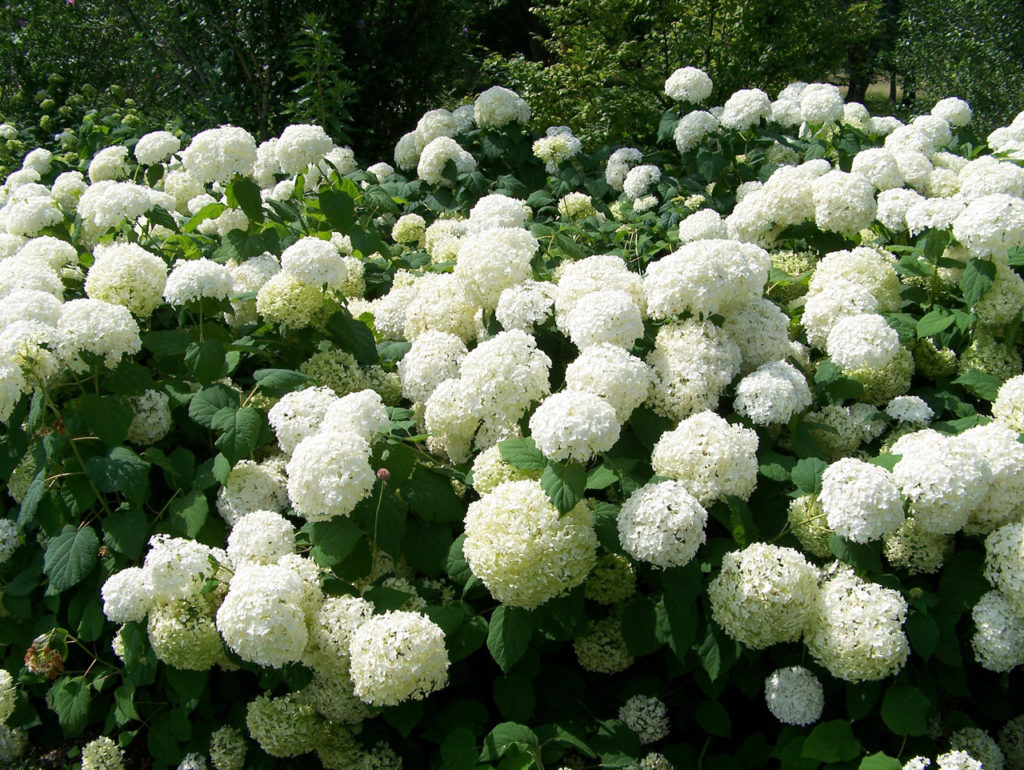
(384, 475)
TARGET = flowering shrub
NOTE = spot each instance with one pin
(525, 454)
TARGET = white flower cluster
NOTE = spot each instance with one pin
(663, 524)
(688, 84)
(998, 639)
(861, 500)
(155, 147)
(218, 154)
(646, 716)
(619, 164)
(522, 550)
(558, 146)
(772, 394)
(435, 157)
(151, 418)
(693, 362)
(196, 279)
(574, 425)
(300, 146)
(497, 107)
(109, 163)
(794, 696)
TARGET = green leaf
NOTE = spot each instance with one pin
(807, 474)
(638, 623)
(601, 477)
(206, 360)
(241, 433)
(120, 470)
(405, 716)
(209, 211)
(69, 698)
(245, 194)
(166, 344)
(277, 382)
(106, 416)
(977, 278)
(980, 383)
(923, 633)
(880, 761)
(508, 635)
(352, 335)
(713, 718)
(667, 125)
(126, 531)
(932, 323)
(33, 497)
(431, 497)
(681, 585)
(710, 164)
(831, 742)
(338, 208)
(458, 751)
(70, 556)
(208, 401)
(564, 483)
(504, 736)
(124, 704)
(522, 453)
(188, 514)
(514, 697)
(333, 540)
(864, 557)
(905, 710)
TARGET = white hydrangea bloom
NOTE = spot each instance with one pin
(745, 108)
(126, 274)
(821, 103)
(39, 161)
(127, 595)
(109, 163)
(843, 203)
(361, 412)
(991, 225)
(611, 316)
(709, 456)
(328, 474)
(507, 373)
(880, 167)
(596, 273)
(194, 279)
(772, 394)
(253, 486)
(497, 107)
(1008, 407)
(102, 754)
(639, 179)
(706, 224)
(574, 425)
(21, 274)
(95, 326)
(861, 500)
(933, 214)
(218, 154)
(663, 524)
(301, 145)
(862, 341)
(67, 189)
(1004, 568)
(692, 128)
(407, 153)
(151, 418)
(957, 760)
(764, 595)
(433, 358)
(156, 147)
(760, 330)
(612, 373)
(893, 206)
(856, 629)
(998, 639)
(494, 259)
(647, 717)
(956, 112)
(51, 251)
(1004, 503)
(261, 617)
(522, 550)
(315, 261)
(794, 696)
(299, 414)
(909, 409)
(688, 84)
(618, 165)
(177, 567)
(260, 537)
(558, 146)
(525, 305)
(436, 155)
(30, 305)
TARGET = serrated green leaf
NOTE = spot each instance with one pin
(905, 710)
(981, 384)
(206, 360)
(208, 401)
(188, 514)
(166, 344)
(209, 211)
(124, 704)
(353, 336)
(241, 434)
(564, 484)
(69, 698)
(934, 322)
(508, 635)
(338, 208)
(864, 557)
(504, 736)
(277, 382)
(831, 742)
(126, 531)
(713, 718)
(458, 750)
(70, 556)
(246, 195)
(880, 761)
(807, 474)
(122, 471)
(522, 453)
(977, 278)
(106, 416)
(601, 477)
(431, 497)
(333, 540)
(923, 633)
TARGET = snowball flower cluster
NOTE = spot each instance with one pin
(301, 145)
(195, 279)
(156, 147)
(647, 717)
(218, 154)
(522, 550)
(688, 84)
(861, 500)
(126, 274)
(435, 157)
(794, 696)
(772, 394)
(574, 425)
(663, 524)
(497, 107)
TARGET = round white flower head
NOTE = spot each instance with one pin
(943, 477)
(864, 340)
(998, 640)
(102, 754)
(67, 189)
(362, 413)
(693, 361)
(663, 524)
(286, 726)
(610, 316)
(498, 211)
(709, 456)
(988, 176)
(688, 84)
(861, 500)
(299, 414)
(794, 696)
(409, 229)
(398, 656)
(577, 205)
(465, 118)
(433, 358)
(440, 302)
(12, 385)
(109, 163)
(51, 251)
(260, 537)
(407, 152)
(30, 305)
(507, 373)
(991, 225)
(639, 179)
(126, 596)
(381, 170)
(315, 261)
(843, 203)
(151, 418)
(9, 541)
(7, 694)
(745, 108)
(433, 124)
(156, 147)
(39, 161)
(917, 763)
(1008, 407)
(956, 112)
(574, 425)
(772, 394)
(1003, 563)
(252, 486)
(703, 225)
(765, 594)
(645, 203)
(557, 147)
(95, 326)
(522, 550)
(435, 157)
(893, 206)
(177, 567)
(821, 103)
(183, 634)
(494, 259)
(525, 305)
(880, 167)
(29, 210)
(261, 618)
(999, 446)
(497, 107)
(612, 373)
(647, 717)
(452, 415)
(194, 279)
(597, 273)
(218, 154)
(27, 274)
(856, 629)
(328, 474)
(909, 409)
(301, 145)
(786, 112)
(126, 274)
(957, 760)
(618, 165)
(760, 330)
(706, 277)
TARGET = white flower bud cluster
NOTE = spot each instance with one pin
(794, 696)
